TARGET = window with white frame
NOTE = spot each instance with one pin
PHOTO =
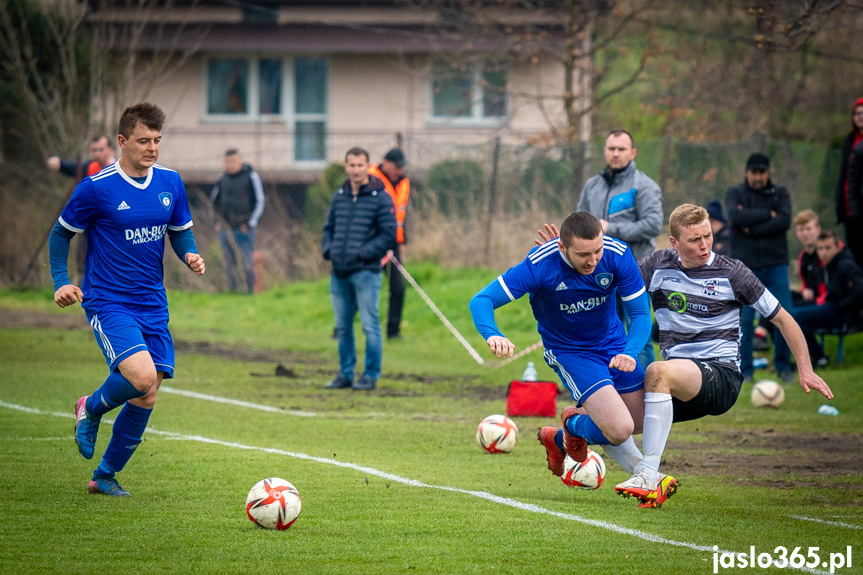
(470, 91)
(294, 89)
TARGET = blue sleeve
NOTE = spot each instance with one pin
(183, 242)
(58, 250)
(638, 309)
(482, 307)
(181, 217)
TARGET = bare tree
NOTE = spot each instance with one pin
(74, 64)
(43, 56)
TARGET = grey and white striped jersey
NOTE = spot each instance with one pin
(698, 309)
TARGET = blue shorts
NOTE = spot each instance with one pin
(123, 332)
(584, 373)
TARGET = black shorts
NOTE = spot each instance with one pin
(720, 386)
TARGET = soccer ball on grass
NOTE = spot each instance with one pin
(497, 434)
(273, 504)
(767, 393)
(589, 474)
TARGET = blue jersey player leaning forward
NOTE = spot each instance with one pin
(572, 285)
(126, 210)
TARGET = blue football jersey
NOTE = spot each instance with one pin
(574, 311)
(125, 224)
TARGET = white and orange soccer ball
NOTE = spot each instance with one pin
(589, 474)
(497, 434)
(273, 504)
(767, 393)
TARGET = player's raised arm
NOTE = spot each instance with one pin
(482, 307)
(809, 380)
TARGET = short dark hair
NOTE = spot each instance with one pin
(357, 151)
(232, 152)
(581, 225)
(150, 115)
(829, 235)
(621, 133)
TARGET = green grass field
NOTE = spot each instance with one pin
(392, 481)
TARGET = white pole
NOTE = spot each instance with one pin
(473, 353)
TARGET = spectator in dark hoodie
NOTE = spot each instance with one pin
(238, 197)
(849, 191)
(844, 280)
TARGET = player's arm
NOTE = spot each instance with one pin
(65, 294)
(183, 243)
(482, 307)
(791, 332)
(638, 308)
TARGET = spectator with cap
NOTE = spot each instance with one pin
(391, 171)
(719, 227)
(760, 216)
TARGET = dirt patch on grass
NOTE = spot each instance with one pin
(774, 459)
(19, 318)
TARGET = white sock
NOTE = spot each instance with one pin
(626, 454)
(658, 414)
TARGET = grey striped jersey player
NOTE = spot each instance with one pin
(699, 309)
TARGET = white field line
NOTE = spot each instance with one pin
(529, 507)
(826, 522)
(237, 402)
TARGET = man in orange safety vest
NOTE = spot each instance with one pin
(391, 171)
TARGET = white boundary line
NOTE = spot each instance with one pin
(825, 521)
(237, 402)
(529, 507)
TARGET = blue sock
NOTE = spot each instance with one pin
(116, 391)
(558, 439)
(583, 426)
(128, 430)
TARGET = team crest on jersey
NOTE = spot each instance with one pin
(166, 199)
(604, 279)
(708, 287)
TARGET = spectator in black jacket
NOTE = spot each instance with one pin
(760, 216)
(360, 229)
(844, 280)
(238, 197)
(848, 194)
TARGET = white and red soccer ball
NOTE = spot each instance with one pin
(273, 504)
(589, 474)
(497, 434)
(767, 393)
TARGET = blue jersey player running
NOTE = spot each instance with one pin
(572, 284)
(126, 210)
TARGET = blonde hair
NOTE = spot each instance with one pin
(805, 217)
(684, 216)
